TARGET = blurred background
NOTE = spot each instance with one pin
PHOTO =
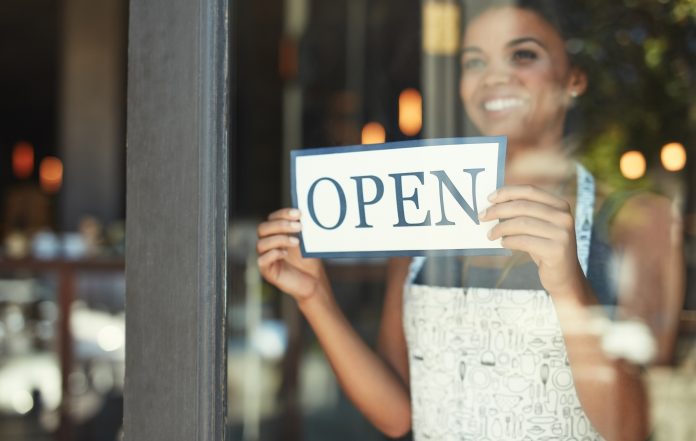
(304, 74)
(62, 211)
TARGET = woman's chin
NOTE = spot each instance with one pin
(515, 131)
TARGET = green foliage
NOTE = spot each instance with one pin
(601, 156)
(684, 10)
(640, 56)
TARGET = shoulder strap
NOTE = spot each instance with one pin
(416, 264)
(584, 214)
(610, 207)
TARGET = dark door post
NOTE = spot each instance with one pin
(176, 220)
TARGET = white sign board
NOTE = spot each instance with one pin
(405, 198)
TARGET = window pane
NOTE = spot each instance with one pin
(584, 331)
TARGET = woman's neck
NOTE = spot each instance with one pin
(547, 143)
(539, 166)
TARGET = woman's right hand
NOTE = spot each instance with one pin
(280, 260)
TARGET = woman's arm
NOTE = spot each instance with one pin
(647, 235)
(392, 342)
(370, 383)
(537, 222)
(611, 390)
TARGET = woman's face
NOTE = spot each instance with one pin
(516, 77)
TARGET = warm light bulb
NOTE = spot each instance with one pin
(673, 156)
(410, 112)
(632, 164)
(23, 160)
(373, 133)
(51, 174)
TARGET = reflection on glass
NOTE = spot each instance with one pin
(51, 174)
(373, 133)
(553, 341)
(410, 112)
(632, 164)
(673, 156)
(23, 160)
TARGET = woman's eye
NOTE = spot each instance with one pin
(473, 63)
(524, 56)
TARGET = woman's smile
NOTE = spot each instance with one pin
(502, 104)
(517, 81)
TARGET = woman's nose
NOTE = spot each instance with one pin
(496, 76)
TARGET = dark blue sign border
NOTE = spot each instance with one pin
(502, 150)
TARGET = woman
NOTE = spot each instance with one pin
(512, 355)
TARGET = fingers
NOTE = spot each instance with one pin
(532, 220)
(267, 259)
(283, 221)
(525, 225)
(285, 213)
(529, 193)
(535, 246)
(268, 243)
(278, 226)
(526, 208)
(276, 235)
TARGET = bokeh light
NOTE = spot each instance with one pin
(51, 174)
(22, 402)
(373, 133)
(632, 164)
(23, 160)
(110, 338)
(673, 156)
(410, 112)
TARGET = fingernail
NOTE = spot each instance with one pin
(492, 196)
(295, 226)
(490, 234)
(482, 213)
(294, 212)
(294, 240)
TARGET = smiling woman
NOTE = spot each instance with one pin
(518, 80)
(580, 256)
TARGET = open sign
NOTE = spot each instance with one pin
(404, 198)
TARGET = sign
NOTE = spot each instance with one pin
(404, 198)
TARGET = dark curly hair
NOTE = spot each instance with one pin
(564, 15)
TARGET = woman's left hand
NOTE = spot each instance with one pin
(541, 224)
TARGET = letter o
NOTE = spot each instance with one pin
(341, 200)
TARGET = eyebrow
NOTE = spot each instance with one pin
(521, 40)
(470, 49)
(512, 43)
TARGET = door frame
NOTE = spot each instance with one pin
(176, 220)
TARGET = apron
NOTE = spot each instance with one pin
(491, 364)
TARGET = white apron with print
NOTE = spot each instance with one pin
(491, 364)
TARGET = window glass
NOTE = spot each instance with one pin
(585, 330)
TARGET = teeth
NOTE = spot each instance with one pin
(501, 104)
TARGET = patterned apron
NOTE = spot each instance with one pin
(491, 364)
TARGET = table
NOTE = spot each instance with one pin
(66, 271)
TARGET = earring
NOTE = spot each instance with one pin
(574, 94)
